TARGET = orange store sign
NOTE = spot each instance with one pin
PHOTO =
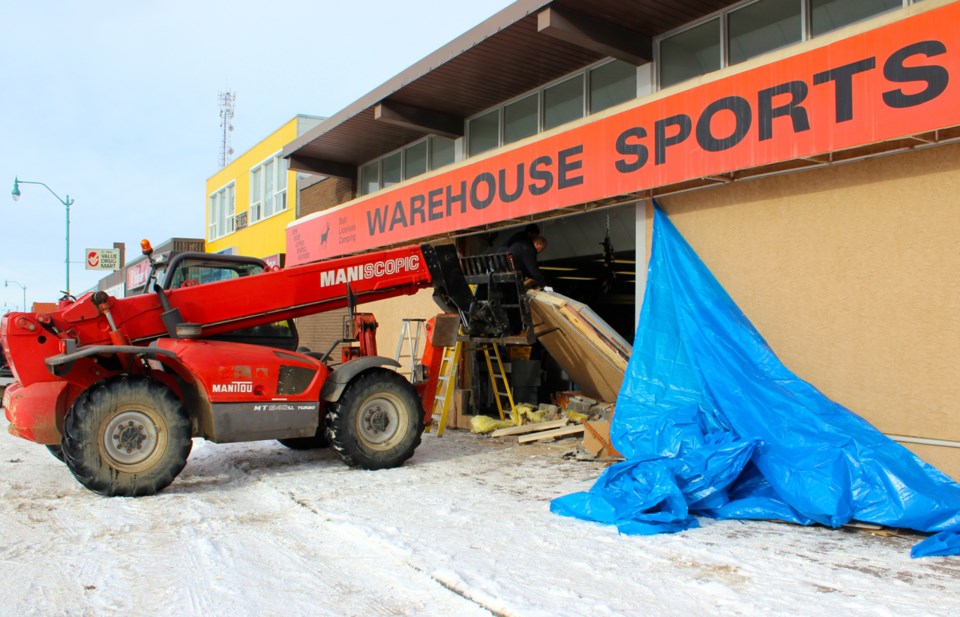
(897, 80)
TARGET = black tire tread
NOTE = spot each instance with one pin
(340, 431)
(57, 452)
(80, 438)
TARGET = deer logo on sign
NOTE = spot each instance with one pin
(323, 236)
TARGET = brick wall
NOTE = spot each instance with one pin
(318, 332)
(325, 194)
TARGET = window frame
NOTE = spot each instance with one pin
(584, 73)
(588, 99)
(215, 216)
(727, 39)
(583, 76)
(377, 164)
(723, 14)
(262, 206)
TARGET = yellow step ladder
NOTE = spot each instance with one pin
(505, 395)
(446, 384)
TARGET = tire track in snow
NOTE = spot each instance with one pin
(254, 529)
(334, 560)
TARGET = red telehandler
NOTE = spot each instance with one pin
(118, 387)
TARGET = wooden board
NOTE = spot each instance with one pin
(530, 428)
(558, 432)
(596, 439)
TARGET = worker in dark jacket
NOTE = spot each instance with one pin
(525, 246)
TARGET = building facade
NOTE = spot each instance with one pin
(252, 199)
(807, 150)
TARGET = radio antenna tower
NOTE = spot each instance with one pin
(228, 101)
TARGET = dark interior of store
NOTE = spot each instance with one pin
(591, 259)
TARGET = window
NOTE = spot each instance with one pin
(755, 27)
(521, 118)
(370, 178)
(563, 102)
(611, 84)
(690, 53)
(484, 132)
(763, 26)
(204, 271)
(827, 15)
(606, 84)
(442, 151)
(391, 169)
(417, 158)
(221, 212)
(256, 193)
(268, 188)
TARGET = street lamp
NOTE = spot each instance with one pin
(23, 287)
(67, 203)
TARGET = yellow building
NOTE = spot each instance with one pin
(251, 200)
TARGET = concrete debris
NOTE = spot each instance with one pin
(550, 409)
(602, 411)
(581, 404)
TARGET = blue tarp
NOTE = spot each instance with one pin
(711, 423)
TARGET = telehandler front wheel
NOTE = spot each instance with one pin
(126, 437)
(378, 421)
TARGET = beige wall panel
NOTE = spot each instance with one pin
(852, 274)
(390, 315)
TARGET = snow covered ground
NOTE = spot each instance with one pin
(463, 529)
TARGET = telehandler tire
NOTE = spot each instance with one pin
(378, 421)
(57, 452)
(127, 437)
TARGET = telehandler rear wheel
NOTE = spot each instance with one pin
(378, 421)
(126, 437)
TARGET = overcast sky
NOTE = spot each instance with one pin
(115, 103)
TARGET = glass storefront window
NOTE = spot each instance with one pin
(763, 26)
(827, 15)
(690, 53)
(484, 132)
(521, 119)
(563, 102)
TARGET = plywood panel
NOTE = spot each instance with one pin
(852, 273)
(390, 315)
(590, 352)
